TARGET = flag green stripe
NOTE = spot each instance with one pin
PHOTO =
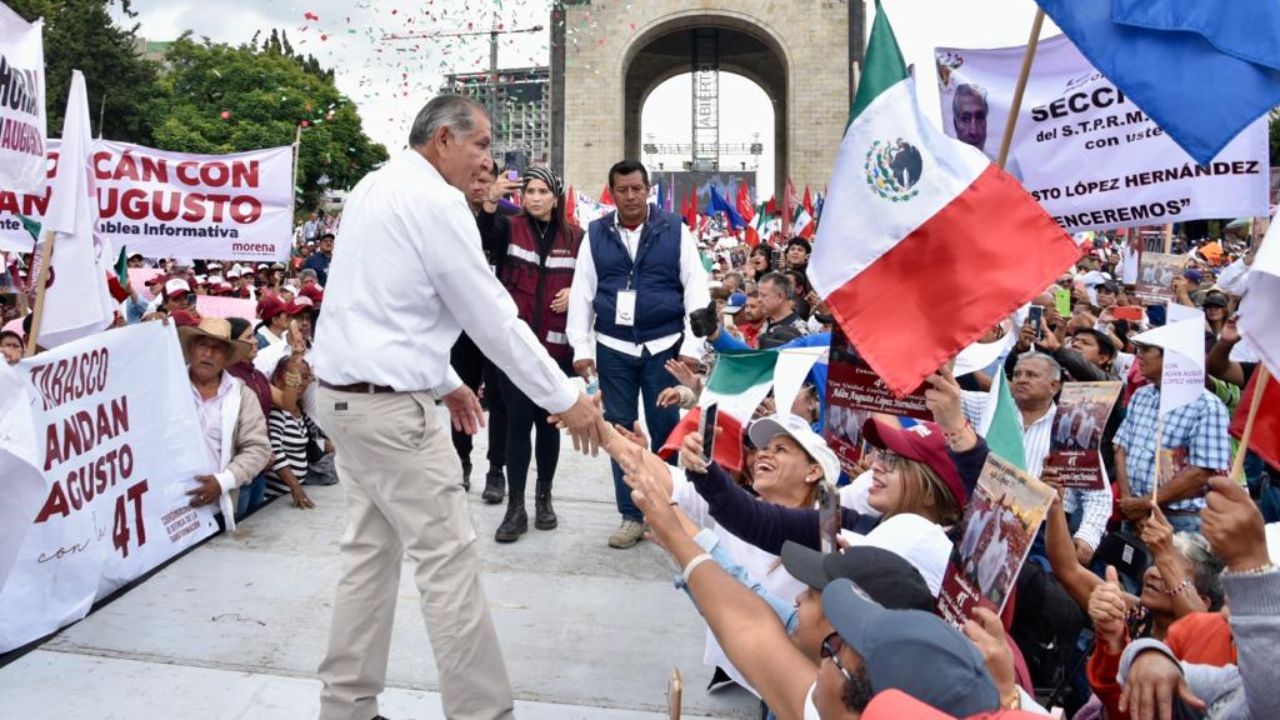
(1004, 437)
(735, 373)
(883, 66)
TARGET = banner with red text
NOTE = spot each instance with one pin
(22, 102)
(167, 204)
(1092, 158)
(119, 445)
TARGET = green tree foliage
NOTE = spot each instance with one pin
(80, 35)
(220, 99)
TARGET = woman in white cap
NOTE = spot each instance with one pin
(923, 476)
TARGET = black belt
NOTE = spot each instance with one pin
(362, 388)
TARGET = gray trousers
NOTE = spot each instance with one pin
(403, 484)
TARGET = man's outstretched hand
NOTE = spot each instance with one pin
(585, 423)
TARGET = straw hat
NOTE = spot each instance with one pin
(218, 329)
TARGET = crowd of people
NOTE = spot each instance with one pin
(1151, 597)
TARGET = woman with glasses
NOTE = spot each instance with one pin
(922, 478)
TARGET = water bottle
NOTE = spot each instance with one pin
(593, 384)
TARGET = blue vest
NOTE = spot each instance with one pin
(654, 275)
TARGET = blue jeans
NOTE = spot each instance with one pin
(251, 495)
(624, 378)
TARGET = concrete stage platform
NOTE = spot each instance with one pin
(236, 628)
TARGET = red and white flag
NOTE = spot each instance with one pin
(924, 244)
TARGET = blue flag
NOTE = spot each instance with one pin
(1167, 56)
(719, 205)
(662, 196)
(1249, 31)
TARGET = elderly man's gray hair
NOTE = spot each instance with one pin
(968, 90)
(456, 112)
(1055, 369)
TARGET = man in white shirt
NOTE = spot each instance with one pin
(397, 298)
(1036, 380)
(638, 277)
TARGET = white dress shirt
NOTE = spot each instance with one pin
(582, 314)
(209, 412)
(407, 276)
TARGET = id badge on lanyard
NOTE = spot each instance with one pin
(626, 308)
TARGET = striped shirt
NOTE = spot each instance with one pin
(1199, 427)
(290, 437)
(1036, 439)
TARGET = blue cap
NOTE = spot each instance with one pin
(735, 303)
(896, 644)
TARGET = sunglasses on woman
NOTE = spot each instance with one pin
(831, 645)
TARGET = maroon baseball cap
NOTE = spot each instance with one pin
(298, 305)
(922, 442)
(270, 306)
(312, 292)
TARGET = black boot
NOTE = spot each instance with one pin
(514, 524)
(466, 476)
(544, 517)
(494, 482)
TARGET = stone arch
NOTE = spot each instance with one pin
(606, 57)
(662, 50)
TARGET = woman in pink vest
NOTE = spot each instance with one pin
(537, 249)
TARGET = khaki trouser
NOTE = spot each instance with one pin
(403, 483)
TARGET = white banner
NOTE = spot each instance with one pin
(1090, 156)
(167, 204)
(119, 445)
(22, 102)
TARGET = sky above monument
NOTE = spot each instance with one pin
(388, 78)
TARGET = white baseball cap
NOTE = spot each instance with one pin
(176, 286)
(767, 428)
(914, 538)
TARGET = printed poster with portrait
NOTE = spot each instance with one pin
(1156, 273)
(856, 393)
(1000, 522)
(1083, 409)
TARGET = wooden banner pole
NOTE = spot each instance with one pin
(41, 280)
(1028, 57)
(1237, 466)
(1155, 486)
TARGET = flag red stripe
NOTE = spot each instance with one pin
(729, 452)
(1265, 439)
(986, 253)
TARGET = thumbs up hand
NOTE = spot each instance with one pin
(1107, 610)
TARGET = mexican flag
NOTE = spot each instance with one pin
(925, 244)
(739, 382)
(803, 224)
(1000, 425)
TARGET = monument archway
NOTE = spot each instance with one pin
(608, 57)
(667, 50)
